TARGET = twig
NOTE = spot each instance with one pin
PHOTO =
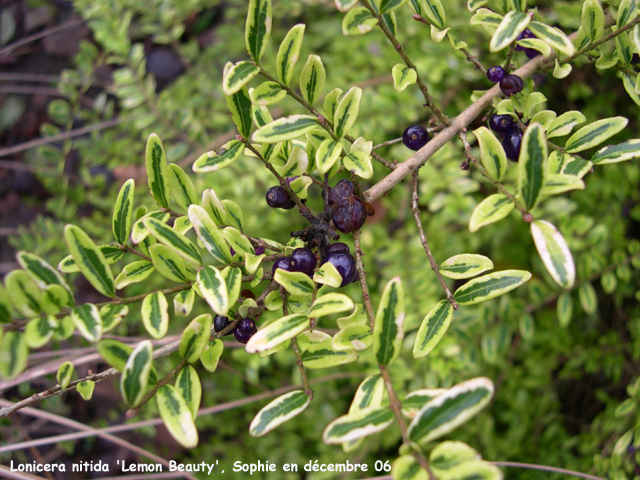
(36, 36)
(129, 249)
(362, 274)
(296, 350)
(387, 143)
(434, 266)
(132, 412)
(394, 41)
(507, 62)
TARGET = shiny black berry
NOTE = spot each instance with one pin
(511, 84)
(511, 144)
(349, 215)
(282, 263)
(220, 323)
(277, 197)
(259, 250)
(500, 123)
(525, 34)
(345, 264)
(343, 190)
(336, 247)
(245, 330)
(496, 73)
(302, 260)
(531, 53)
(415, 137)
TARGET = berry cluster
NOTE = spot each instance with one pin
(529, 52)
(511, 134)
(243, 331)
(510, 84)
(349, 212)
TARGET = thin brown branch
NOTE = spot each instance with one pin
(132, 412)
(36, 36)
(434, 265)
(362, 274)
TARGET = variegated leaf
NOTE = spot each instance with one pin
(209, 234)
(563, 124)
(355, 336)
(492, 154)
(532, 165)
(133, 273)
(490, 286)
(595, 133)
(238, 76)
(358, 21)
(267, 93)
(312, 79)
(65, 372)
(286, 128)
(189, 386)
(433, 328)
(492, 209)
(241, 108)
(88, 321)
(278, 411)
(112, 315)
(512, 25)
(288, 53)
(135, 374)
(388, 331)
(465, 265)
(359, 163)
(277, 332)
(174, 240)
(296, 283)
(157, 171)
(182, 187)
(211, 161)
(258, 27)
(214, 289)
(183, 302)
(617, 153)
(554, 252)
(90, 260)
(417, 399)
(553, 36)
(14, 353)
(211, 355)
(123, 212)
(331, 303)
(358, 424)
(169, 264)
(347, 111)
(323, 355)
(195, 337)
(176, 416)
(155, 314)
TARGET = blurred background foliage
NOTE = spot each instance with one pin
(566, 389)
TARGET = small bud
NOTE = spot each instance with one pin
(398, 47)
(464, 165)
(239, 137)
(527, 217)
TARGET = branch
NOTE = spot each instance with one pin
(407, 61)
(363, 279)
(36, 36)
(423, 239)
(296, 350)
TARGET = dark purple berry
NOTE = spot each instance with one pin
(511, 84)
(415, 137)
(245, 329)
(302, 260)
(531, 53)
(259, 250)
(345, 264)
(343, 190)
(496, 73)
(282, 263)
(350, 215)
(220, 323)
(525, 34)
(277, 197)
(336, 247)
(511, 144)
(290, 179)
(500, 123)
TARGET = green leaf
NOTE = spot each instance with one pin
(347, 111)
(139, 232)
(406, 467)
(369, 394)
(134, 273)
(40, 330)
(24, 293)
(135, 374)
(492, 154)
(238, 76)
(195, 337)
(595, 133)
(388, 331)
(288, 53)
(14, 353)
(213, 288)
(331, 303)
(617, 153)
(354, 336)
(267, 93)
(183, 302)
(576, 166)
(65, 372)
(532, 165)
(484, 16)
(258, 28)
(561, 71)
(433, 328)
(90, 260)
(174, 240)
(536, 44)
(175, 413)
(323, 355)
(234, 214)
(88, 321)
(112, 315)
(6, 308)
(474, 470)
(328, 274)
(358, 21)
(182, 187)
(473, 5)
(450, 409)
(359, 163)
(278, 411)
(593, 19)
(554, 252)
(211, 355)
(240, 107)
(211, 161)
(465, 265)
(327, 155)
(563, 124)
(560, 183)
(85, 389)
(387, 6)
(345, 5)
(330, 103)
(553, 36)
(169, 264)
(588, 298)
(490, 286)
(188, 384)
(512, 25)
(114, 352)
(624, 48)
(312, 79)
(209, 234)
(417, 399)
(358, 424)
(492, 209)
(286, 128)
(564, 309)
(450, 454)
(157, 171)
(277, 332)
(155, 314)
(233, 278)
(296, 283)
(44, 275)
(434, 12)
(238, 242)
(627, 11)
(123, 212)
